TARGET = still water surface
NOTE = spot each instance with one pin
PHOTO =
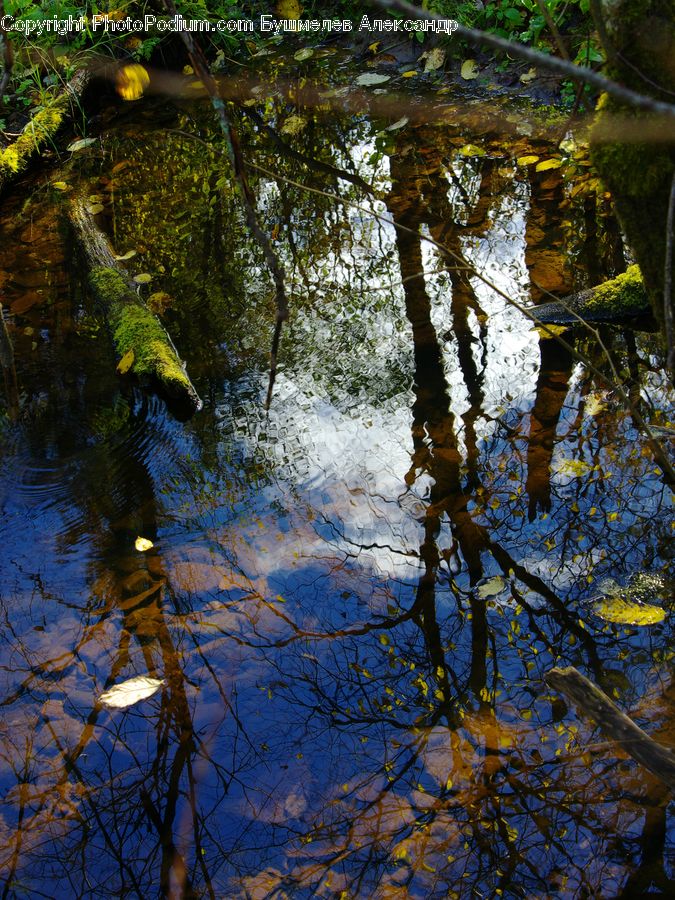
(351, 599)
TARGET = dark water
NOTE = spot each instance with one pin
(351, 600)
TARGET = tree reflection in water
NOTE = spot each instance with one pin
(351, 601)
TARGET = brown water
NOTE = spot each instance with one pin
(352, 599)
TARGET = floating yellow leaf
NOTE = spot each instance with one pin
(527, 160)
(142, 544)
(125, 364)
(472, 150)
(549, 331)
(289, 9)
(409, 74)
(143, 278)
(303, 54)
(129, 692)
(594, 404)
(128, 255)
(574, 468)
(60, 186)
(469, 70)
(628, 612)
(548, 164)
(528, 76)
(131, 80)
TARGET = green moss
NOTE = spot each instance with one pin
(622, 295)
(41, 127)
(108, 285)
(136, 328)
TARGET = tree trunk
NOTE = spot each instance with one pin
(134, 328)
(621, 298)
(639, 40)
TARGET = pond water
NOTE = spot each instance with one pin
(352, 597)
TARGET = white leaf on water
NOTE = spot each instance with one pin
(396, 125)
(129, 692)
(81, 144)
(371, 78)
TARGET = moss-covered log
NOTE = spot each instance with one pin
(40, 132)
(619, 299)
(133, 327)
(639, 37)
(594, 703)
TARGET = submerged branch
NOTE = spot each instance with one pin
(593, 703)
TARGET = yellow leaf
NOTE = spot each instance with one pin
(142, 544)
(527, 160)
(548, 164)
(626, 612)
(530, 75)
(126, 363)
(469, 70)
(143, 278)
(550, 331)
(289, 9)
(131, 81)
(60, 186)
(573, 468)
(472, 150)
(409, 74)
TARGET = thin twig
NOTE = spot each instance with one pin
(552, 63)
(553, 28)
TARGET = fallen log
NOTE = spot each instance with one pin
(42, 128)
(135, 330)
(616, 300)
(592, 702)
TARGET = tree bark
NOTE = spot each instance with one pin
(618, 299)
(639, 39)
(596, 705)
(134, 328)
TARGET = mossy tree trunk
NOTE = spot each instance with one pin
(39, 133)
(137, 333)
(639, 38)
